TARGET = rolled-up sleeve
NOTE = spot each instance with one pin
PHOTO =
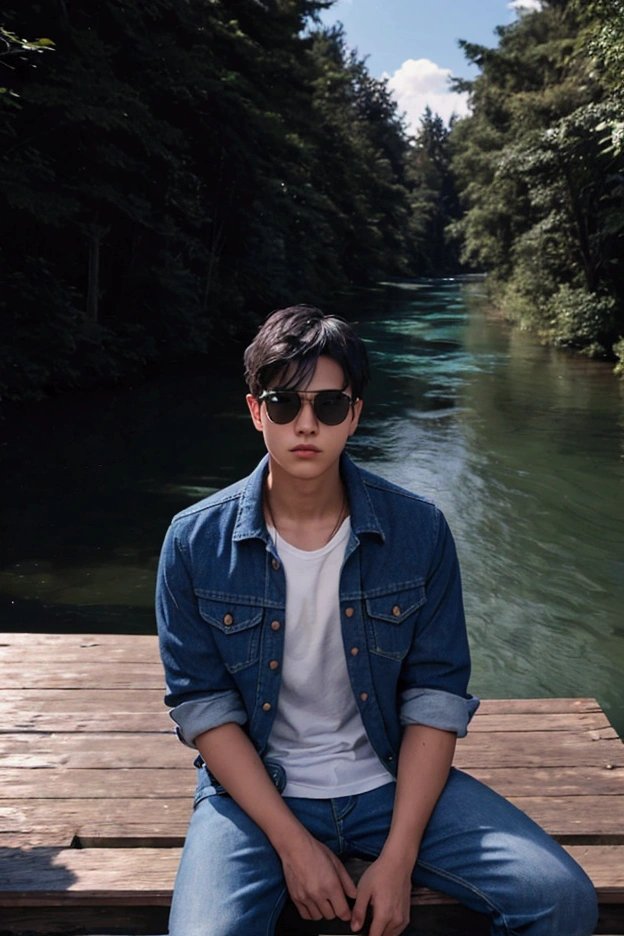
(196, 716)
(200, 690)
(435, 673)
(438, 709)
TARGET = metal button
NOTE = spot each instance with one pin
(349, 612)
(354, 651)
(363, 696)
(266, 707)
(275, 564)
(228, 619)
(396, 611)
(275, 625)
(273, 664)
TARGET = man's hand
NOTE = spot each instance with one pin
(317, 880)
(386, 886)
(424, 763)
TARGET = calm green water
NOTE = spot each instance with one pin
(521, 446)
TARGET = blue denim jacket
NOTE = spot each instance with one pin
(221, 598)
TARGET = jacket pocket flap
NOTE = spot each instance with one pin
(396, 605)
(228, 616)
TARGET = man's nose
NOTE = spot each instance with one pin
(306, 417)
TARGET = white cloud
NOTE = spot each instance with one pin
(420, 83)
(519, 5)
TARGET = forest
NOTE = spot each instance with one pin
(170, 172)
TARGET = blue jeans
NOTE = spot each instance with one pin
(477, 847)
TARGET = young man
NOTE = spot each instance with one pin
(315, 650)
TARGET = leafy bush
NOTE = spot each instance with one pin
(582, 320)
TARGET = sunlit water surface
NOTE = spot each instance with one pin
(521, 446)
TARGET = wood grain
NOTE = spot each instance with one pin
(96, 791)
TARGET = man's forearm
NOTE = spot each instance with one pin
(424, 762)
(316, 879)
(235, 763)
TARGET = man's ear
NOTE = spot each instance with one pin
(356, 410)
(255, 408)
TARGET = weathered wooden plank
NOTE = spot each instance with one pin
(594, 823)
(488, 707)
(124, 649)
(68, 700)
(153, 747)
(561, 782)
(591, 818)
(17, 643)
(94, 711)
(32, 816)
(50, 876)
(99, 822)
(539, 721)
(74, 750)
(140, 782)
(180, 781)
(86, 723)
(79, 675)
(536, 706)
(605, 866)
(103, 820)
(55, 837)
(536, 749)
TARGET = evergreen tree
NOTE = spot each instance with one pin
(435, 200)
(175, 169)
(543, 198)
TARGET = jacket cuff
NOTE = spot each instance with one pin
(438, 709)
(199, 715)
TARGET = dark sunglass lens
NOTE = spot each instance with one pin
(331, 407)
(283, 407)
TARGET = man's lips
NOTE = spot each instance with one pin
(305, 449)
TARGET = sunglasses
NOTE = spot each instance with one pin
(331, 407)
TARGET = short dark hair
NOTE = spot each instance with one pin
(290, 342)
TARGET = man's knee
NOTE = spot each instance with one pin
(576, 910)
(557, 899)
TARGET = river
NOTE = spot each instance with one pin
(522, 446)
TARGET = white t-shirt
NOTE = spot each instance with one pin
(318, 735)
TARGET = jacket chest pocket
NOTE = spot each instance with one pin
(391, 620)
(235, 629)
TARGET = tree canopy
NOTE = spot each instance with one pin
(539, 165)
(171, 170)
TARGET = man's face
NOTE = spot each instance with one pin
(306, 448)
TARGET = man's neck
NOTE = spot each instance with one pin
(305, 512)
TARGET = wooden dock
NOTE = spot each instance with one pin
(95, 793)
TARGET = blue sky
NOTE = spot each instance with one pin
(414, 43)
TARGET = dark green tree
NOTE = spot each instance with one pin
(175, 170)
(543, 197)
(435, 201)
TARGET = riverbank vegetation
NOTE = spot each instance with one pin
(169, 172)
(540, 169)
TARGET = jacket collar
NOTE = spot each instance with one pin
(250, 518)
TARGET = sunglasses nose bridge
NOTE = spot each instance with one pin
(306, 412)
